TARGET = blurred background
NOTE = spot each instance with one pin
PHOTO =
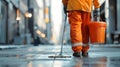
(24, 22)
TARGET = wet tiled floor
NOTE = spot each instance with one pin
(38, 56)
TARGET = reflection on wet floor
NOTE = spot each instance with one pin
(72, 62)
(89, 62)
(39, 57)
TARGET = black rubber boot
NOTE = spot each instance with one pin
(85, 54)
(77, 54)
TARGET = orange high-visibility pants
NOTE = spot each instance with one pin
(79, 32)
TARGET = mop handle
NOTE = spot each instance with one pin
(63, 34)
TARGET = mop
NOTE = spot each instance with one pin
(61, 51)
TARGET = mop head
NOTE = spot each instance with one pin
(59, 56)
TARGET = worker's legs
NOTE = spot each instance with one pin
(79, 32)
(75, 30)
(86, 17)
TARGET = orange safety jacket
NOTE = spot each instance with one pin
(83, 5)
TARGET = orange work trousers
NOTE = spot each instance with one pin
(79, 32)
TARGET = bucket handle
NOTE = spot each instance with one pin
(96, 18)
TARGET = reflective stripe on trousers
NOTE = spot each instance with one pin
(78, 47)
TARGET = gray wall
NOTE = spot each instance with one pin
(118, 15)
(3, 21)
(8, 28)
(112, 15)
(11, 22)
